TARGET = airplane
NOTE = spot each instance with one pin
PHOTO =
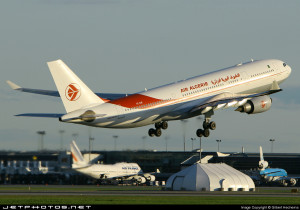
(245, 86)
(277, 175)
(117, 171)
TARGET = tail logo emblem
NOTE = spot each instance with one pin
(263, 104)
(72, 92)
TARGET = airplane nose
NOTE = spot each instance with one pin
(289, 70)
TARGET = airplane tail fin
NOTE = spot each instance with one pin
(261, 155)
(262, 164)
(73, 92)
(78, 159)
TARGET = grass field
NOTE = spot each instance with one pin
(256, 198)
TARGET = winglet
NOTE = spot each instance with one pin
(13, 85)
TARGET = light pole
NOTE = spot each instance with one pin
(144, 142)
(218, 141)
(61, 139)
(90, 146)
(193, 139)
(115, 142)
(184, 131)
(41, 143)
(272, 141)
(200, 150)
(166, 138)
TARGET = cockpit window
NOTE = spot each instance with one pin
(284, 64)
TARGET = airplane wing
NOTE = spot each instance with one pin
(227, 99)
(287, 180)
(288, 177)
(108, 96)
(223, 100)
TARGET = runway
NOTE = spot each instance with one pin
(138, 191)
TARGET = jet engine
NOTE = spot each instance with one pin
(262, 165)
(269, 178)
(150, 178)
(141, 179)
(292, 182)
(256, 105)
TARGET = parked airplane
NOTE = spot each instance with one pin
(277, 175)
(244, 86)
(118, 171)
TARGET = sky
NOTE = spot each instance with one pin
(125, 46)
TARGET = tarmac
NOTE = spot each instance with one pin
(140, 191)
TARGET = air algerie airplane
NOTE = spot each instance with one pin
(245, 86)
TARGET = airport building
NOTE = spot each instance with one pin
(55, 168)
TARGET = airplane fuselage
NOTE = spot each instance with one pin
(171, 102)
(273, 172)
(118, 170)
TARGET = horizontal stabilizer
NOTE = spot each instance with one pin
(48, 115)
(13, 85)
(30, 90)
(107, 96)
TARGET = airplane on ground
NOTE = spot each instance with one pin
(245, 86)
(273, 175)
(117, 171)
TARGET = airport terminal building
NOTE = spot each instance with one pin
(55, 168)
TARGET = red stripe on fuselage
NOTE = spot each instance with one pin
(135, 100)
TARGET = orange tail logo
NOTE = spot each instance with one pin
(72, 92)
(263, 104)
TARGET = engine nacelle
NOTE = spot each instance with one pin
(150, 178)
(269, 178)
(141, 179)
(262, 165)
(256, 105)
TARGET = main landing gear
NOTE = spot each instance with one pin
(207, 125)
(157, 131)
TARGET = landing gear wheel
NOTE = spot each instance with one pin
(212, 125)
(158, 132)
(164, 125)
(157, 125)
(199, 132)
(206, 133)
(151, 132)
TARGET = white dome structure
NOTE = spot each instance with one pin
(210, 177)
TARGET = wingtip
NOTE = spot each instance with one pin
(13, 85)
(55, 61)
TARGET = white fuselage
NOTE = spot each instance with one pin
(169, 102)
(118, 170)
